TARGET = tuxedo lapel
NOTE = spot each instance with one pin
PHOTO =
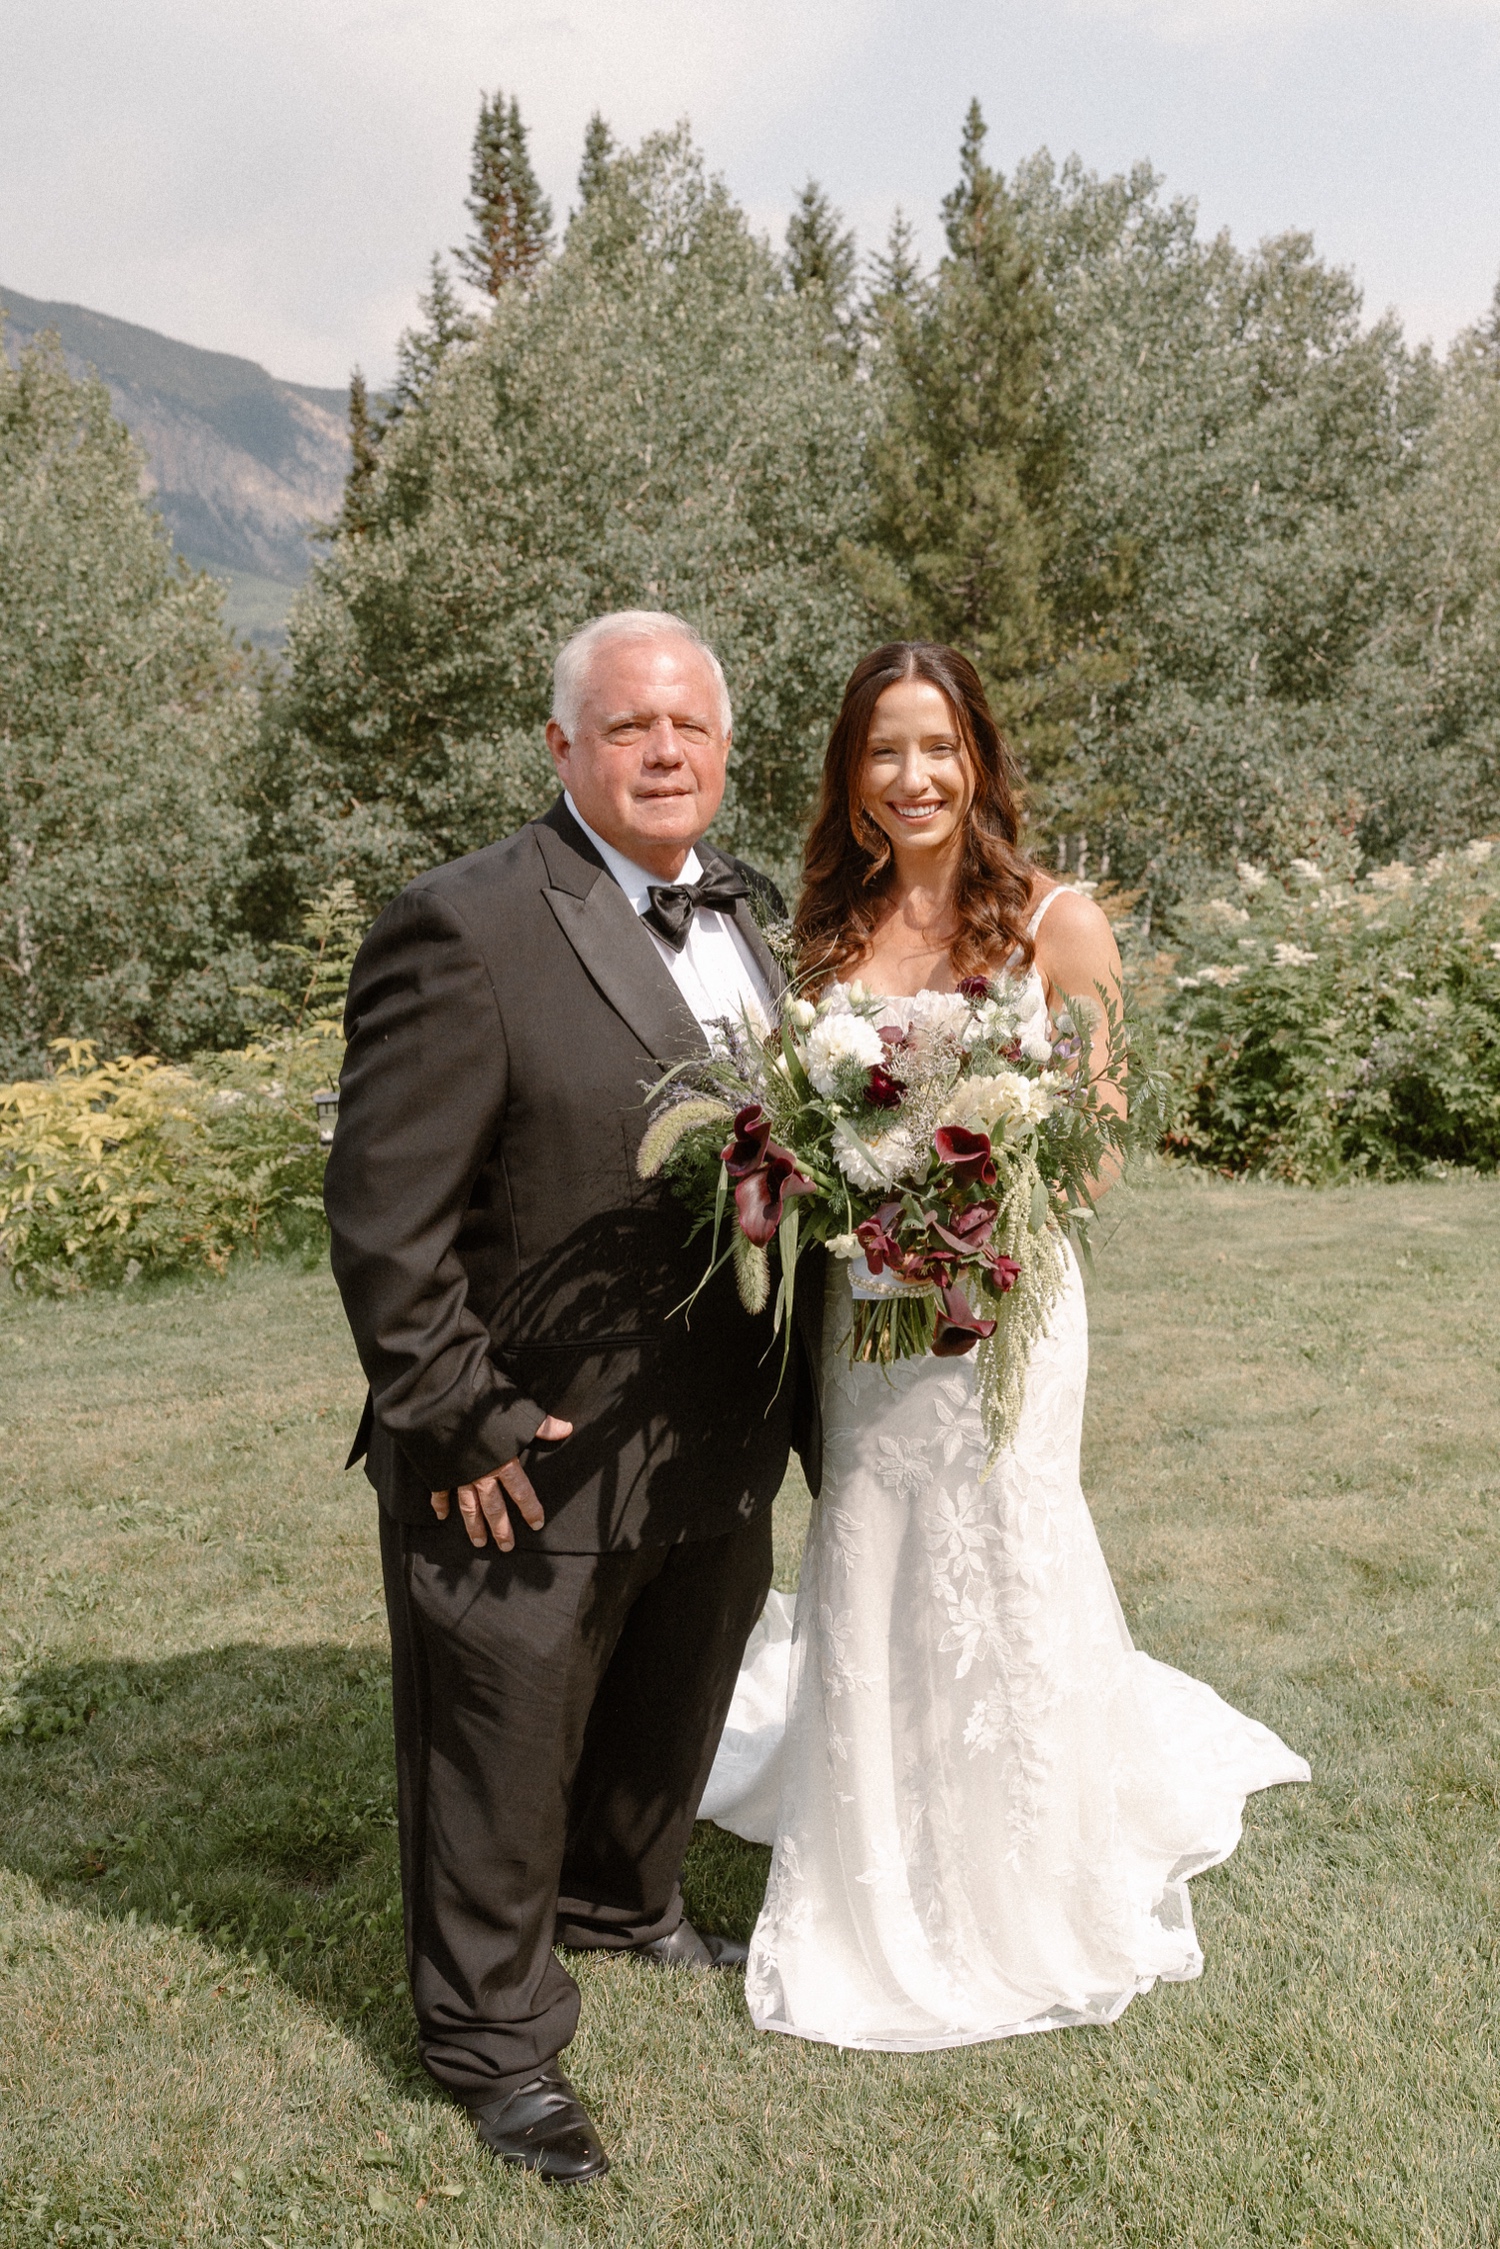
(745, 922)
(765, 960)
(610, 940)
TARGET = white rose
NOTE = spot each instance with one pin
(801, 1014)
(836, 1040)
(845, 1246)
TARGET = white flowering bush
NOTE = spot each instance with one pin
(1318, 1024)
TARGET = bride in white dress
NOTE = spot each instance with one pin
(985, 1802)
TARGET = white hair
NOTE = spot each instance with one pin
(575, 658)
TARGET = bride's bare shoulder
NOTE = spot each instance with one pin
(1066, 909)
(1073, 937)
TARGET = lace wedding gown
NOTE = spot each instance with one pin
(985, 1802)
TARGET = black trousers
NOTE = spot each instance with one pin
(556, 1719)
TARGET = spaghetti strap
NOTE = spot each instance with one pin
(1035, 922)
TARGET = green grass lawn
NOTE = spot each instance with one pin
(203, 2026)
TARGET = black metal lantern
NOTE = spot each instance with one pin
(327, 1105)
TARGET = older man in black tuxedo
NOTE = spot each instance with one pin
(575, 1481)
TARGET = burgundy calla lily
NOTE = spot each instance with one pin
(752, 1132)
(882, 1091)
(967, 1155)
(878, 1242)
(765, 1175)
(966, 1230)
(1004, 1272)
(959, 1327)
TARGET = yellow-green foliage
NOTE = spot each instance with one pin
(111, 1169)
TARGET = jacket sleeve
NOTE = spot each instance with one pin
(421, 1101)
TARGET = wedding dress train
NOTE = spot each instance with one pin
(985, 1802)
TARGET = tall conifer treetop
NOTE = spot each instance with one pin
(896, 273)
(598, 149)
(512, 218)
(819, 248)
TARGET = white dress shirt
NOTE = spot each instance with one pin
(715, 971)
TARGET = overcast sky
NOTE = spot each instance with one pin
(270, 177)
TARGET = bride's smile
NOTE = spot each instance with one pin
(916, 785)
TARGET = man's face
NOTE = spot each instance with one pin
(648, 756)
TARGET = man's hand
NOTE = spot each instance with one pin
(483, 1502)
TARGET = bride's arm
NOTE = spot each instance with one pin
(1076, 955)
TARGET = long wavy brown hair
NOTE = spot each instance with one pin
(847, 863)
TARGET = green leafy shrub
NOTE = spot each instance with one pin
(1319, 1025)
(113, 1169)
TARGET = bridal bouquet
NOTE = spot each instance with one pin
(945, 1154)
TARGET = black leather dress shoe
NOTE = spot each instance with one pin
(685, 1948)
(544, 2127)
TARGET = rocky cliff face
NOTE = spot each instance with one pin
(242, 467)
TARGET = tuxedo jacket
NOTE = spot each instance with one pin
(498, 1256)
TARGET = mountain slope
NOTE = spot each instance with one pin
(240, 465)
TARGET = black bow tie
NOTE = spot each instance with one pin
(673, 904)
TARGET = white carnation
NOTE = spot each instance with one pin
(937, 1011)
(986, 1104)
(871, 1163)
(836, 1039)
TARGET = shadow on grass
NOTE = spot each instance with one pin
(248, 1794)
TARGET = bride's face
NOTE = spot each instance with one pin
(915, 784)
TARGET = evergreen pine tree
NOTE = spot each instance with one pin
(512, 218)
(896, 275)
(598, 153)
(819, 250)
(422, 351)
(964, 465)
(364, 453)
(820, 264)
